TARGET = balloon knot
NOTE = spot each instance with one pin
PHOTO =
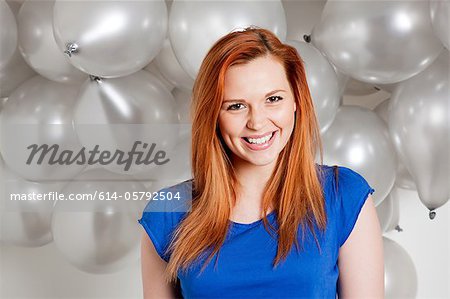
(432, 214)
(95, 78)
(71, 48)
(398, 228)
(307, 38)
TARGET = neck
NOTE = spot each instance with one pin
(253, 180)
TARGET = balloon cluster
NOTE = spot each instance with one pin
(81, 64)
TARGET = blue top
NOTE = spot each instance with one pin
(244, 265)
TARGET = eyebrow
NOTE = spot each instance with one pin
(267, 95)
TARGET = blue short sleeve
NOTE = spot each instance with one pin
(353, 191)
(156, 226)
(161, 217)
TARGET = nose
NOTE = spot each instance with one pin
(257, 118)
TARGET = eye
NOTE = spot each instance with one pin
(274, 99)
(232, 106)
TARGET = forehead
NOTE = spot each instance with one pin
(256, 77)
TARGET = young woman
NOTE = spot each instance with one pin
(256, 191)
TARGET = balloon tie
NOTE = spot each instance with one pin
(432, 214)
(398, 228)
(71, 48)
(95, 78)
(307, 38)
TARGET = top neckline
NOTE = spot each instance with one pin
(268, 216)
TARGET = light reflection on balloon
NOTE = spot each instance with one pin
(38, 46)
(110, 38)
(419, 126)
(400, 275)
(39, 112)
(359, 139)
(322, 82)
(8, 33)
(368, 39)
(403, 178)
(187, 18)
(98, 236)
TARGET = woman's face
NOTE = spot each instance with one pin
(257, 114)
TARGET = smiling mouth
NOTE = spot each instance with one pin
(260, 140)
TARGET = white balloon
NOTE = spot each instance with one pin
(377, 41)
(14, 73)
(419, 126)
(351, 86)
(15, 5)
(440, 12)
(153, 68)
(359, 139)
(98, 236)
(24, 222)
(388, 211)
(194, 26)
(403, 179)
(8, 33)
(179, 168)
(110, 38)
(301, 17)
(39, 112)
(322, 82)
(183, 109)
(400, 275)
(38, 46)
(2, 102)
(114, 113)
(171, 69)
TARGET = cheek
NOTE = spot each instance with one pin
(230, 125)
(284, 117)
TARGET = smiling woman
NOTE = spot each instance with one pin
(257, 191)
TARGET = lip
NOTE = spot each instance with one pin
(260, 147)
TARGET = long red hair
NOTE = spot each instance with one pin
(294, 189)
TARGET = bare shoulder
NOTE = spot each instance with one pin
(361, 261)
(152, 268)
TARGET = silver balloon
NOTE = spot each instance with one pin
(388, 211)
(359, 139)
(14, 73)
(183, 105)
(215, 19)
(153, 68)
(419, 125)
(171, 69)
(179, 167)
(39, 112)
(110, 38)
(400, 275)
(38, 46)
(98, 236)
(8, 33)
(322, 82)
(24, 222)
(15, 5)
(2, 102)
(377, 41)
(403, 179)
(440, 12)
(350, 86)
(114, 113)
(301, 17)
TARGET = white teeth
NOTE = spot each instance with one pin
(260, 140)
